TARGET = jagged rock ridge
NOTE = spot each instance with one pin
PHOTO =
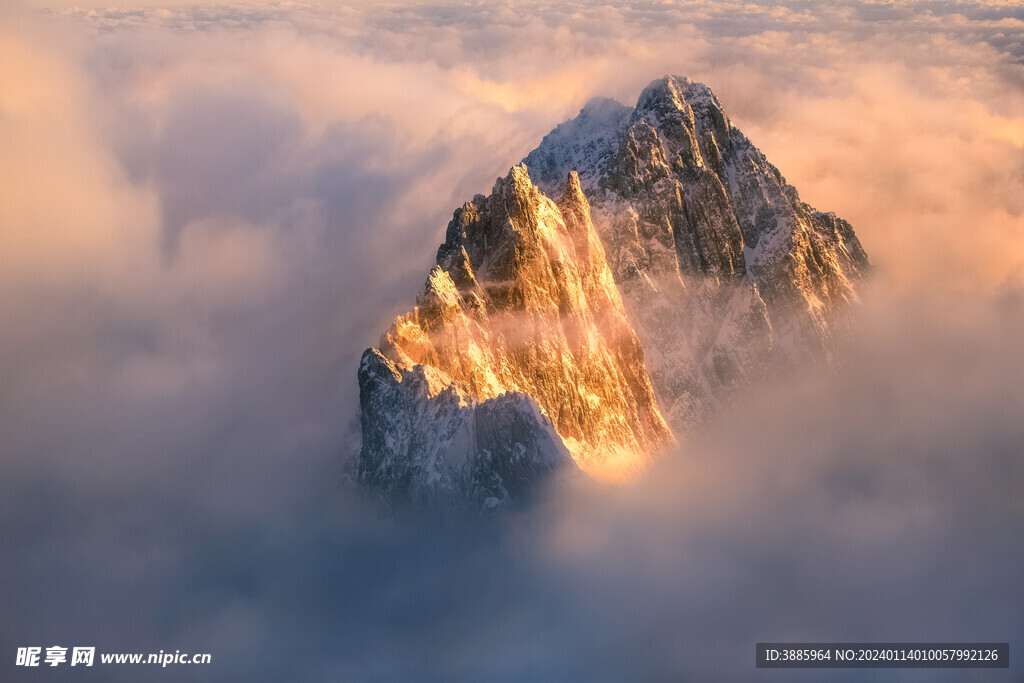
(518, 359)
(726, 275)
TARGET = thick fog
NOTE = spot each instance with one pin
(209, 212)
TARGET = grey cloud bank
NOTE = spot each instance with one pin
(210, 212)
(881, 504)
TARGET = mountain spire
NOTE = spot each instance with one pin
(659, 266)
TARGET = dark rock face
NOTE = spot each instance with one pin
(726, 275)
(427, 444)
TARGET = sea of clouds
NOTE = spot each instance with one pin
(208, 212)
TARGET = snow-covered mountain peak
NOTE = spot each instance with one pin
(641, 265)
(675, 91)
(703, 234)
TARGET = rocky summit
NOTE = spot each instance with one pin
(640, 262)
(728, 278)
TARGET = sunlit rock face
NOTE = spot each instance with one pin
(726, 275)
(518, 360)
